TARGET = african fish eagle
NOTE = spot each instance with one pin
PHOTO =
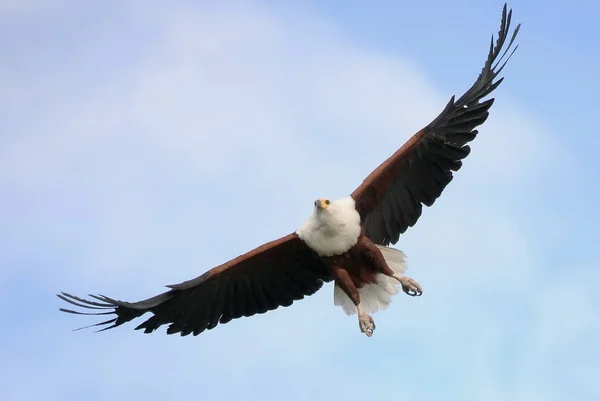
(345, 240)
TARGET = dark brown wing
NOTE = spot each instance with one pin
(272, 275)
(391, 198)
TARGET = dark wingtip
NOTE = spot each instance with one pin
(103, 305)
(103, 308)
(495, 61)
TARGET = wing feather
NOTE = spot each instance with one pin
(391, 198)
(273, 275)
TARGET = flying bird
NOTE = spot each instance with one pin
(346, 241)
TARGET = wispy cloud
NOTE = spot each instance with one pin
(216, 139)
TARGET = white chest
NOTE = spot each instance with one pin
(334, 230)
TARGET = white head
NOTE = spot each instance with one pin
(333, 228)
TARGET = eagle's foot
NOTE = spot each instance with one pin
(409, 286)
(366, 324)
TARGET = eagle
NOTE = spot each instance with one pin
(346, 241)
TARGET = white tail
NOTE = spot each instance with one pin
(378, 295)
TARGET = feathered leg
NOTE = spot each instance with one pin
(344, 281)
(375, 258)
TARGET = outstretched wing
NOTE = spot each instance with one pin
(272, 275)
(391, 198)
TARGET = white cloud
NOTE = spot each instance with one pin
(153, 182)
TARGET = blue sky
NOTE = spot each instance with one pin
(144, 143)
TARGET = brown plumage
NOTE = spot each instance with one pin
(272, 275)
(280, 272)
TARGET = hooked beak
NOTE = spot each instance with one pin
(321, 204)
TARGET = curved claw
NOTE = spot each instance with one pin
(366, 324)
(410, 286)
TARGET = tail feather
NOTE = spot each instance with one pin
(376, 296)
(395, 258)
